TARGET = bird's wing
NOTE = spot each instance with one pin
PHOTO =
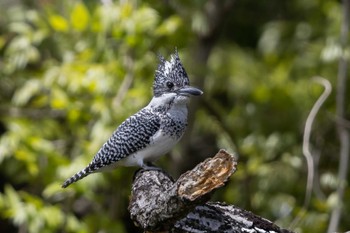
(132, 135)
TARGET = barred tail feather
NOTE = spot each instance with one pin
(78, 176)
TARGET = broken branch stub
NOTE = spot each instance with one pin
(157, 202)
(206, 176)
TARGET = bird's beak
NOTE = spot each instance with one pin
(188, 90)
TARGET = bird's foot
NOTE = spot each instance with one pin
(150, 166)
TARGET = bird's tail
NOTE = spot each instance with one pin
(78, 176)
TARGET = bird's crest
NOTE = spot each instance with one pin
(172, 71)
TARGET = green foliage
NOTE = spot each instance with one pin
(65, 87)
(71, 71)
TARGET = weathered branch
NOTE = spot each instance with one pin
(160, 204)
(220, 217)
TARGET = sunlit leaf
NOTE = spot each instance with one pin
(145, 19)
(58, 23)
(126, 10)
(24, 94)
(59, 99)
(169, 26)
(52, 190)
(53, 216)
(15, 207)
(80, 17)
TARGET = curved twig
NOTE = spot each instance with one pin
(306, 140)
(307, 134)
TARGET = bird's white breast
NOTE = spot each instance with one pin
(160, 144)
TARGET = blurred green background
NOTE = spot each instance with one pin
(72, 71)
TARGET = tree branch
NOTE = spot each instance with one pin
(160, 204)
(220, 217)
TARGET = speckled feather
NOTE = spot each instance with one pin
(132, 135)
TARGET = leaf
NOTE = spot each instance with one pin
(24, 94)
(145, 19)
(58, 23)
(53, 216)
(59, 99)
(51, 190)
(126, 10)
(80, 17)
(15, 207)
(169, 26)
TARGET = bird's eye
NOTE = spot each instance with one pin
(169, 84)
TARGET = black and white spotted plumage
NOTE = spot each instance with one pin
(132, 135)
(152, 131)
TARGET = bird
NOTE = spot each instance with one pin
(154, 130)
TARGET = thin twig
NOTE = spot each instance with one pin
(307, 134)
(306, 142)
(340, 114)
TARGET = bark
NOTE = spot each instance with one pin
(220, 217)
(160, 204)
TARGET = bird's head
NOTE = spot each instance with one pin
(171, 78)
